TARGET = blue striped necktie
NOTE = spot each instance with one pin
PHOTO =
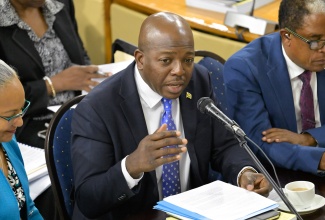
(170, 172)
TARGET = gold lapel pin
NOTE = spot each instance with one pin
(188, 95)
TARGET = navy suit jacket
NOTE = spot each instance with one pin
(259, 97)
(108, 125)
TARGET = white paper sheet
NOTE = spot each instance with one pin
(34, 161)
(219, 200)
(111, 67)
(35, 166)
(54, 108)
(39, 185)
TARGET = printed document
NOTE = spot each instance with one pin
(35, 166)
(216, 200)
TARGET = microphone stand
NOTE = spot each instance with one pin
(241, 136)
(205, 105)
(251, 13)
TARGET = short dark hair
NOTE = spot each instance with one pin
(292, 12)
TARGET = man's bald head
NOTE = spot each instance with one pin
(165, 57)
(161, 27)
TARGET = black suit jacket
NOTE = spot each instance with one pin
(17, 50)
(109, 124)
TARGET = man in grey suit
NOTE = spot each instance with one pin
(118, 145)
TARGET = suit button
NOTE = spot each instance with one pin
(123, 196)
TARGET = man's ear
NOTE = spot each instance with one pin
(139, 56)
(285, 37)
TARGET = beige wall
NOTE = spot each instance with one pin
(90, 18)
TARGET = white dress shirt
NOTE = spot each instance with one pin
(296, 85)
(153, 110)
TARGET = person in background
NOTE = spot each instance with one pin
(39, 38)
(120, 146)
(16, 202)
(275, 88)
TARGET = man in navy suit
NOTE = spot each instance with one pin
(118, 144)
(263, 88)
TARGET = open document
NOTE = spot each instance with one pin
(216, 200)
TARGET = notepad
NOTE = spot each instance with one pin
(34, 161)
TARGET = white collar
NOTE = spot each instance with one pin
(150, 97)
(293, 69)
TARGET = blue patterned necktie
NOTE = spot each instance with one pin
(306, 102)
(170, 172)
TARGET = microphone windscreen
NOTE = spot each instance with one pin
(202, 103)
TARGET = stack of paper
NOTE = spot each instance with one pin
(216, 200)
(35, 166)
(34, 161)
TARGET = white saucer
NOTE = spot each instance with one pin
(319, 202)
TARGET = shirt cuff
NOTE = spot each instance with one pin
(129, 180)
(242, 171)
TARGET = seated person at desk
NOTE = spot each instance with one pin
(40, 40)
(268, 90)
(16, 202)
(121, 143)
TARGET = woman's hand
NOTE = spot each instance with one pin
(77, 78)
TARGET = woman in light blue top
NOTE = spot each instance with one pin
(15, 200)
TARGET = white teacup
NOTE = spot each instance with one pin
(300, 193)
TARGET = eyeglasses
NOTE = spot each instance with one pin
(23, 111)
(313, 44)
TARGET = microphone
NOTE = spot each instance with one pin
(206, 106)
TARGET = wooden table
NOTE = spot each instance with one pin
(285, 176)
(125, 16)
(203, 20)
